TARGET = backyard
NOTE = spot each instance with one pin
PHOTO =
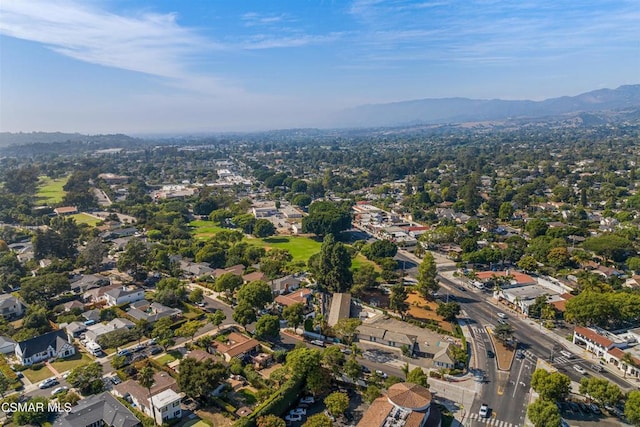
(421, 309)
(50, 190)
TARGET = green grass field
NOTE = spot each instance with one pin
(301, 248)
(69, 363)
(82, 218)
(204, 229)
(36, 376)
(50, 190)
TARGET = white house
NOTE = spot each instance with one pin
(52, 345)
(124, 294)
(10, 306)
(167, 406)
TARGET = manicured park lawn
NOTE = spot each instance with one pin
(50, 190)
(82, 218)
(69, 363)
(38, 375)
(301, 248)
(203, 229)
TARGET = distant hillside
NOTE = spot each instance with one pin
(26, 138)
(460, 110)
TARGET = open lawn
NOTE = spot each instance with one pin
(50, 190)
(202, 229)
(195, 423)
(169, 357)
(82, 218)
(69, 363)
(421, 309)
(36, 376)
(360, 260)
(300, 247)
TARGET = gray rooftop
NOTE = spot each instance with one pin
(101, 407)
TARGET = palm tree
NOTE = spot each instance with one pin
(145, 377)
(405, 370)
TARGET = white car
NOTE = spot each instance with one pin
(382, 374)
(59, 390)
(298, 411)
(484, 411)
(580, 369)
(307, 400)
(502, 315)
(292, 418)
(49, 382)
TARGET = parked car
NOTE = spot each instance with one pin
(462, 288)
(307, 400)
(124, 352)
(595, 408)
(298, 411)
(115, 380)
(484, 411)
(580, 369)
(49, 382)
(59, 390)
(155, 350)
(366, 370)
(520, 354)
(319, 343)
(292, 418)
(596, 367)
(382, 374)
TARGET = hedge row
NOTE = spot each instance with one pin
(276, 404)
(11, 376)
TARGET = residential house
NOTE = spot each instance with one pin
(195, 269)
(152, 312)
(94, 332)
(444, 357)
(119, 233)
(237, 269)
(265, 211)
(52, 345)
(386, 337)
(100, 410)
(340, 308)
(73, 305)
(7, 345)
(252, 277)
(301, 296)
(87, 282)
(285, 284)
(10, 307)
(405, 404)
(97, 295)
(92, 316)
(123, 294)
(237, 346)
(74, 329)
(166, 407)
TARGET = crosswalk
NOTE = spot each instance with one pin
(560, 360)
(490, 421)
(478, 330)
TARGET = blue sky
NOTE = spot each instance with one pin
(154, 66)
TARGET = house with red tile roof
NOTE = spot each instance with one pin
(597, 341)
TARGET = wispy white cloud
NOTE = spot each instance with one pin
(269, 41)
(253, 19)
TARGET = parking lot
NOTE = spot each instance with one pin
(579, 413)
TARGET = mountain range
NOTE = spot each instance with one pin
(462, 110)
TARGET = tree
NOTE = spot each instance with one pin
(244, 314)
(163, 332)
(427, 275)
(536, 227)
(346, 329)
(448, 310)
(558, 257)
(601, 390)
(632, 407)
(365, 276)
(134, 258)
(93, 254)
(506, 211)
(188, 329)
(552, 386)
(417, 376)
(197, 379)
(255, 294)
(268, 327)
(333, 358)
(245, 222)
(302, 200)
(611, 246)
(590, 308)
(337, 403)
(503, 332)
(270, 421)
(118, 362)
(379, 249)
(263, 228)
(371, 393)
(87, 379)
(544, 413)
(528, 263)
(352, 369)
(4, 385)
(326, 218)
(293, 314)
(146, 380)
(217, 317)
(318, 420)
(398, 300)
(334, 266)
(170, 292)
(33, 416)
(228, 283)
(196, 295)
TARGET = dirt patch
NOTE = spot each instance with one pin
(422, 309)
(504, 354)
(215, 418)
